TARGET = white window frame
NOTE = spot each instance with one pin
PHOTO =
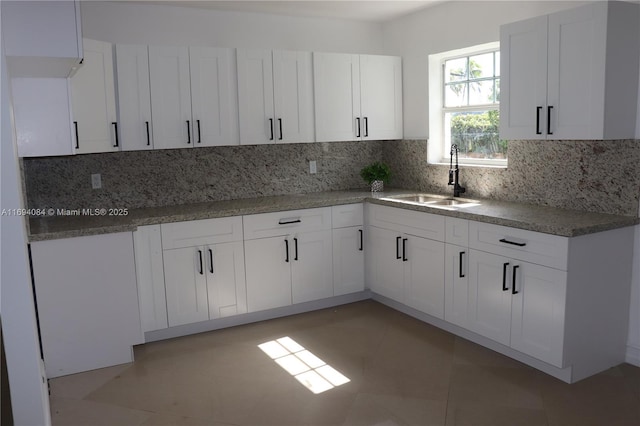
(438, 148)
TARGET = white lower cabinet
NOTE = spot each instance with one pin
(288, 258)
(348, 248)
(456, 286)
(87, 302)
(203, 270)
(518, 304)
(152, 298)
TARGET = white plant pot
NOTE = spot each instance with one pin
(377, 186)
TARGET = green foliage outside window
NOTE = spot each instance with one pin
(476, 134)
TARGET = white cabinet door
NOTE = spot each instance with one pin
(134, 97)
(255, 96)
(337, 96)
(311, 266)
(381, 97)
(490, 296)
(214, 96)
(93, 100)
(576, 68)
(423, 261)
(456, 296)
(538, 312)
(186, 285)
(293, 96)
(152, 298)
(87, 302)
(226, 285)
(385, 265)
(268, 272)
(523, 69)
(348, 260)
(170, 97)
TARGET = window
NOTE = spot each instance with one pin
(466, 112)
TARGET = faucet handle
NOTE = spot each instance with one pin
(450, 177)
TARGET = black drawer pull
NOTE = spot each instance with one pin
(211, 261)
(513, 282)
(404, 250)
(398, 248)
(361, 240)
(200, 256)
(504, 240)
(286, 250)
(295, 244)
(288, 222)
(460, 272)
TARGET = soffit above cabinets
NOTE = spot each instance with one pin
(360, 10)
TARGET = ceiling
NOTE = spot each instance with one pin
(359, 10)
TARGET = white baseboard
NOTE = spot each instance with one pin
(633, 355)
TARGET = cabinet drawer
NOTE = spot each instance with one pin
(528, 246)
(457, 231)
(346, 215)
(411, 222)
(201, 232)
(283, 223)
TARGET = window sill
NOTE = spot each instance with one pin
(479, 165)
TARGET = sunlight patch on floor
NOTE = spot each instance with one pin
(307, 368)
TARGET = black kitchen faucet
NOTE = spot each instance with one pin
(453, 173)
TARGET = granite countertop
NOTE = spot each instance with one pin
(567, 223)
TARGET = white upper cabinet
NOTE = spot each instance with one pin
(42, 38)
(134, 97)
(275, 90)
(192, 97)
(93, 101)
(571, 75)
(357, 97)
(170, 96)
(214, 98)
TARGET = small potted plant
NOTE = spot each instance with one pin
(376, 175)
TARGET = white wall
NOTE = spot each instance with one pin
(29, 399)
(448, 26)
(123, 22)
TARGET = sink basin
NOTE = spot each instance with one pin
(433, 201)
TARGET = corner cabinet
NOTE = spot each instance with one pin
(93, 101)
(288, 257)
(357, 97)
(563, 75)
(275, 90)
(193, 96)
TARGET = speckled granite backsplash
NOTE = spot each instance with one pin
(182, 176)
(597, 176)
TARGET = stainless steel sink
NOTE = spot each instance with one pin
(433, 201)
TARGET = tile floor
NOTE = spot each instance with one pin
(401, 371)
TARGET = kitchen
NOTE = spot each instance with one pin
(412, 37)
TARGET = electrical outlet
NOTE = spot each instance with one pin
(313, 168)
(96, 181)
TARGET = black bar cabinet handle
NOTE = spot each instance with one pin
(513, 282)
(211, 261)
(504, 240)
(460, 272)
(504, 276)
(200, 256)
(549, 108)
(295, 243)
(288, 222)
(271, 127)
(148, 136)
(280, 125)
(188, 131)
(75, 124)
(398, 248)
(286, 250)
(199, 136)
(115, 125)
(404, 250)
(358, 126)
(366, 126)
(538, 109)
(361, 239)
